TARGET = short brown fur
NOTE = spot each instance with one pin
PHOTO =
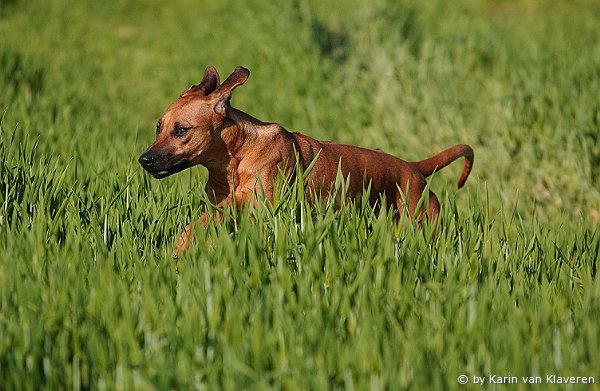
(242, 153)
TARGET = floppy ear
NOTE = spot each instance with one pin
(209, 82)
(236, 79)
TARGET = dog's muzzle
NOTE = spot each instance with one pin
(161, 165)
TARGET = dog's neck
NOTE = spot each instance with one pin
(239, 133)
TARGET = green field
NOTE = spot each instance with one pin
(90, 297)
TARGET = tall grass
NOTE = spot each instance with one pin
(285, 296)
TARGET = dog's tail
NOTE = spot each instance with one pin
(442, 159)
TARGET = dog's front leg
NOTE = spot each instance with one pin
(187, 236)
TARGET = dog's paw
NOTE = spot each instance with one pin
(183, 242)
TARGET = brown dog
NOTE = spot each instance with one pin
(243, 155)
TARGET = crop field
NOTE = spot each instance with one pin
(282, 296)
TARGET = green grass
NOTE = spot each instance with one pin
(90, 297)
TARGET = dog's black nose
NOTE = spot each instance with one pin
(145, 160)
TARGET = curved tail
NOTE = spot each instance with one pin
(442, 159)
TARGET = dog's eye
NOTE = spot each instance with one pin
(180, 130)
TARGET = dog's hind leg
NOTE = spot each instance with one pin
(422, 203)
(433, 213)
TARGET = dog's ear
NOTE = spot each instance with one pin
(210, 82)
(236, 79)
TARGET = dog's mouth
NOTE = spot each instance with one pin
(162, 165)
(174, 169)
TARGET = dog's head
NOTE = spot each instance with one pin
(188, 133)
